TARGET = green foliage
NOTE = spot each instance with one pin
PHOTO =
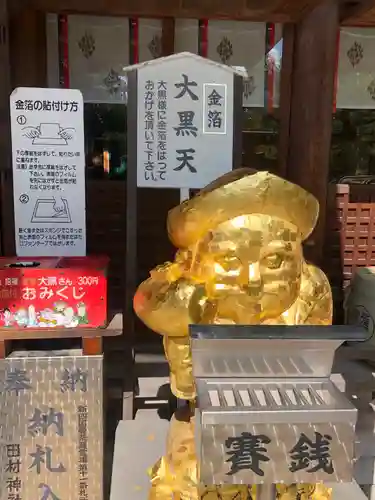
(353, 143)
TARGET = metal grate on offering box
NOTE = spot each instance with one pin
(267, 411)
(269, 396)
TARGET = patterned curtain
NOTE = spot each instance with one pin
(356, 69)
(239, 43)
(149, 43)
(98, 50)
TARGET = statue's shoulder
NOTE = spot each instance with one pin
(314, 282)
(315, 296)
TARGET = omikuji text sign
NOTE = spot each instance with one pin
(184, 122)
(52, 436)
(48, 172)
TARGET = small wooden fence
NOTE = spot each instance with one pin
(350, 234)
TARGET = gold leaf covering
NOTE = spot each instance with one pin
(239, 261)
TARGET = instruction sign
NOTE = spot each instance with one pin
(48, 172)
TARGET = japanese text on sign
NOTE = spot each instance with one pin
(42, 421)
(82, 452)
(71, 380)
(13, 470)
(185, 157)
(215, 108)
(185, 125)
(47, 176)
(52, 403)
(155, 101)
(249, 451)
(48, 298)
(48, 171)
(42, 105)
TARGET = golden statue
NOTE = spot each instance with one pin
(239, 261)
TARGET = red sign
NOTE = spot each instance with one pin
(47, 293)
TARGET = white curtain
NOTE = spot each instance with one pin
(149, 39)
(240, 43)
(98, 50)
(356, 69)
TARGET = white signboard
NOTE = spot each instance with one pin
(48, 172)
(184, 122)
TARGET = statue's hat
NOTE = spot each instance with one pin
(242, 192)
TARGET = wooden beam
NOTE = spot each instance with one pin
(310, 119)
(356, 9)
(297, 10)
(253, 10)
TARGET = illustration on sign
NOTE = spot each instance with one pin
(185, 122)
(49, 134)
(46, 299)
(48, 171)
(49, 211)
(61, 315)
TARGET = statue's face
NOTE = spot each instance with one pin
(251, 267)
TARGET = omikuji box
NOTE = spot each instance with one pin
(66, 292)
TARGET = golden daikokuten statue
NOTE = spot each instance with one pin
(239, 261)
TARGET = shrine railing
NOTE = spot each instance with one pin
(350, 234)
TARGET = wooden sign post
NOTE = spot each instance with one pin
(184, 131)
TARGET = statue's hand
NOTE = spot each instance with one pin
(167, 272)
(168, 307)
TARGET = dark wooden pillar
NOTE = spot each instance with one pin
(4, 131)
(28, 49)
(168, 30)
(4, 86)
(306, 107)
(23, 64)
